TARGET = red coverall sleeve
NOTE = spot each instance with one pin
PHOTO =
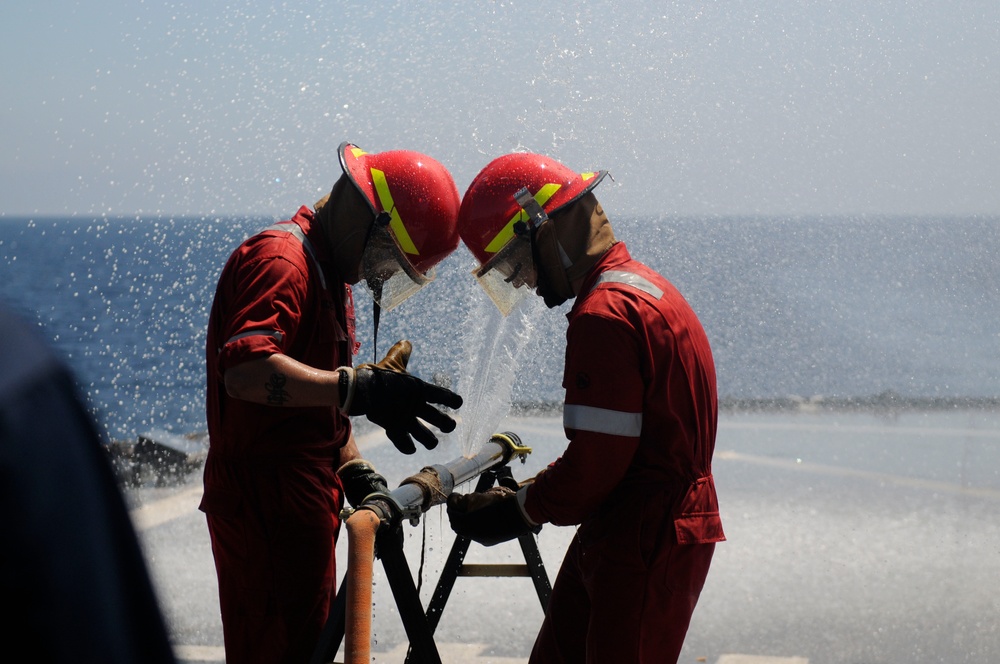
(604, 389)
(264, 313)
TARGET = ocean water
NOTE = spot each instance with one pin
(845, 308)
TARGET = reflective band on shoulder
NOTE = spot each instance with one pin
(294, 229)
(274, 334)
(602, 420)
(629, 279)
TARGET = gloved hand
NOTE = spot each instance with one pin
(488, 517)
(393, 399)
(360, 480)
(396, 359)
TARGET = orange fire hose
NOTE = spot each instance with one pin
(361, 528)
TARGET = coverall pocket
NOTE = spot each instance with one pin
(698, 520)
(220, 502)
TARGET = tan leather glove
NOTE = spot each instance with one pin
(396, 359)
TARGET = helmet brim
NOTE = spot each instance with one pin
(356, 172)
(589, 186)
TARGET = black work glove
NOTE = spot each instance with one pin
(393, 399)
(488, 517)
(360, 480)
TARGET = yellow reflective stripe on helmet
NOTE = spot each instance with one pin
(507, 232)
(385, 198)
(357, 152)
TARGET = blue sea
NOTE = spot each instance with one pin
(847, 308)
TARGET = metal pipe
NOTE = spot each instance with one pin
(433, 484)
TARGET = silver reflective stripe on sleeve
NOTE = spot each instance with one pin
(274, 334)
(522, 495)
(294, 229)
(602, 420)
(629, 279)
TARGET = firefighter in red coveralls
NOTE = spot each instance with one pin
(640, 414)
(281, 389)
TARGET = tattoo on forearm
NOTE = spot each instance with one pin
(276, 394)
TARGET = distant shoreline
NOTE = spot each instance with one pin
(879, 403)
(160, 458)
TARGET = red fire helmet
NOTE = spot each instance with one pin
(416, 192)
(489, 211)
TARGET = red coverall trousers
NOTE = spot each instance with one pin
(630, 611)
(274, 547)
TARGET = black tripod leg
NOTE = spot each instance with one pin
(333, 632)
(529, 547)
(533, 558)
(447, 581)
(452, 566)
(397, 572)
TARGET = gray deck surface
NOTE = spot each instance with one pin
(852, 538)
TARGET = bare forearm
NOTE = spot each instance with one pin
(279, 380)
(350, 451)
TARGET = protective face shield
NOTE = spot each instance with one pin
(510, 275)
(415, 205)
(386, 273)
(505, 212)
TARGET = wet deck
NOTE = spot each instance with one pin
(852, 538)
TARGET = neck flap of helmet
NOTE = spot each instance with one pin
(550, 258)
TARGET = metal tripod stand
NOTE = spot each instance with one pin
(418, 624)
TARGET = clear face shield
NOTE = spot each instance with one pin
(387, 274)
(510, 275)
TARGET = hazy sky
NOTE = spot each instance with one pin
(128, 107)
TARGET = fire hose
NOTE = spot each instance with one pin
(415, 495)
